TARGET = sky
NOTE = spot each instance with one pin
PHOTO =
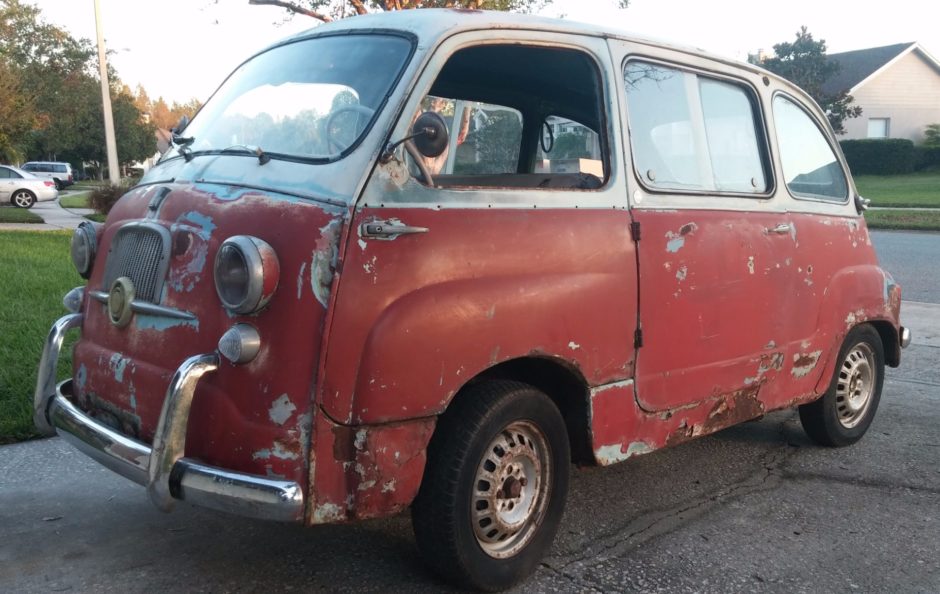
(182, 49)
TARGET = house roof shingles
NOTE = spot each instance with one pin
(857, 65)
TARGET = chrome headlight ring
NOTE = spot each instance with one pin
(83, 247)
(246, 273)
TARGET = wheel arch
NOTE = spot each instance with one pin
(561, 382)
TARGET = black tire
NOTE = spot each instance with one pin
(455, 501)
(23, 199)
(844, 413)
(58, 183)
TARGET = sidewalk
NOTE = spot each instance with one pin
(55, 216)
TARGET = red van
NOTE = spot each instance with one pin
(429, 259)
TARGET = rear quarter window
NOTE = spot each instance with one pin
(692, 132)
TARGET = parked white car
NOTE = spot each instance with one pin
(23, 189)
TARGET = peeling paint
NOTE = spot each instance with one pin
(804, 363)
(160, 323)
(573, 345)
(200, 221)
(675, 244)
(682, 273)
(281, 409)
(118, 364)
(750, 264)
(328, 512)
(389, 486)
(278, 451)
(81, 378)
(611, 454)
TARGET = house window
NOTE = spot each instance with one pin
(878, 127)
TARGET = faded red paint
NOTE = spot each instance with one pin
(421, 315)
(256, 417)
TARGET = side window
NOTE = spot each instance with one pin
(810, 167)
(28, 167)
(5, 173)
(568, 146)
(694, 133)
(495, 116)
(485, 139)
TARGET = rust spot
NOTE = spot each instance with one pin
(682, 434)
(687, 228)
(735, 408)
(344, 439)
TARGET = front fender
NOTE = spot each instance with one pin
(426, 345)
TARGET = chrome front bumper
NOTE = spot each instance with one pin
(163, 469)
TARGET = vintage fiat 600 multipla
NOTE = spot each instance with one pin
(429, 259)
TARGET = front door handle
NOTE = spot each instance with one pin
(388, 229)
(781, 229)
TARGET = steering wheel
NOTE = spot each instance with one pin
(359, 110)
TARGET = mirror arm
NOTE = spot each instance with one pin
(389, 151)
(419, 161)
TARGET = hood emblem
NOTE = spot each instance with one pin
(120, 299)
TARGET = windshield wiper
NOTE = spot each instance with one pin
(263, 157)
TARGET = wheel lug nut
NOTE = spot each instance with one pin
(523, 481)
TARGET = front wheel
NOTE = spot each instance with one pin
(494, 487)
(844, 413)
(23, 199)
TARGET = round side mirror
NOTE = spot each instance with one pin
(430, 134)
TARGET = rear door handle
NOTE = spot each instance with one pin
(388, 229)
(781, 229)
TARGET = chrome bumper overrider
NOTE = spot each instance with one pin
(163, 469)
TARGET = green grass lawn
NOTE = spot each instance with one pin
(911, 190)
(10, 214)
(900, 218)
(79, 200)
(37, 272)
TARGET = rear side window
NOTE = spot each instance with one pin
(694, 133)
(810, 166)
(59, 168)
(30, 167)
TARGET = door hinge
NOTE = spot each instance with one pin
(638, 338)
(635, 230)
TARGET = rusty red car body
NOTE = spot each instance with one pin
(647, 315)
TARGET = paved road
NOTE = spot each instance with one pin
(914, 261)
(754, 508)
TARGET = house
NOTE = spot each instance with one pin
(897, 87)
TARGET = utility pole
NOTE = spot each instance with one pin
(114, 173)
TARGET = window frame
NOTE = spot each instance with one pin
(887, 128)
(604, 96)
(761, 129)
(837, 153)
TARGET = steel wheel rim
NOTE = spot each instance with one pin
(22, 199)
(855, 385)
(511, 489)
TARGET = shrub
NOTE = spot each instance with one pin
(879, 156)
(104, 197)
(926, 157)
(932, 136)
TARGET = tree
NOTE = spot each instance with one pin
(17, 116)
(932, 136)
(804, 62)
(329, 10)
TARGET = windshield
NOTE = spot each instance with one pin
(311, 99)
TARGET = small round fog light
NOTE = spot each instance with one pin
(240, 343)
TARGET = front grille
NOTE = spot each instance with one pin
(139, 251)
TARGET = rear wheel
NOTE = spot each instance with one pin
(842, 416)
(23, 199)
(494, 487)
(58, 183)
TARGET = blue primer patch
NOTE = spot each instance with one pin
(202, 222)
(82, 377)
(674, 245)
(118, 364)
(223, 192)
(159, 323)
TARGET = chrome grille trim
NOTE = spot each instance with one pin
(141, 252)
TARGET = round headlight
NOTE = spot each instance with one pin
(246, 273)
(84, 244)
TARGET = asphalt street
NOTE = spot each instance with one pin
(756, 507)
